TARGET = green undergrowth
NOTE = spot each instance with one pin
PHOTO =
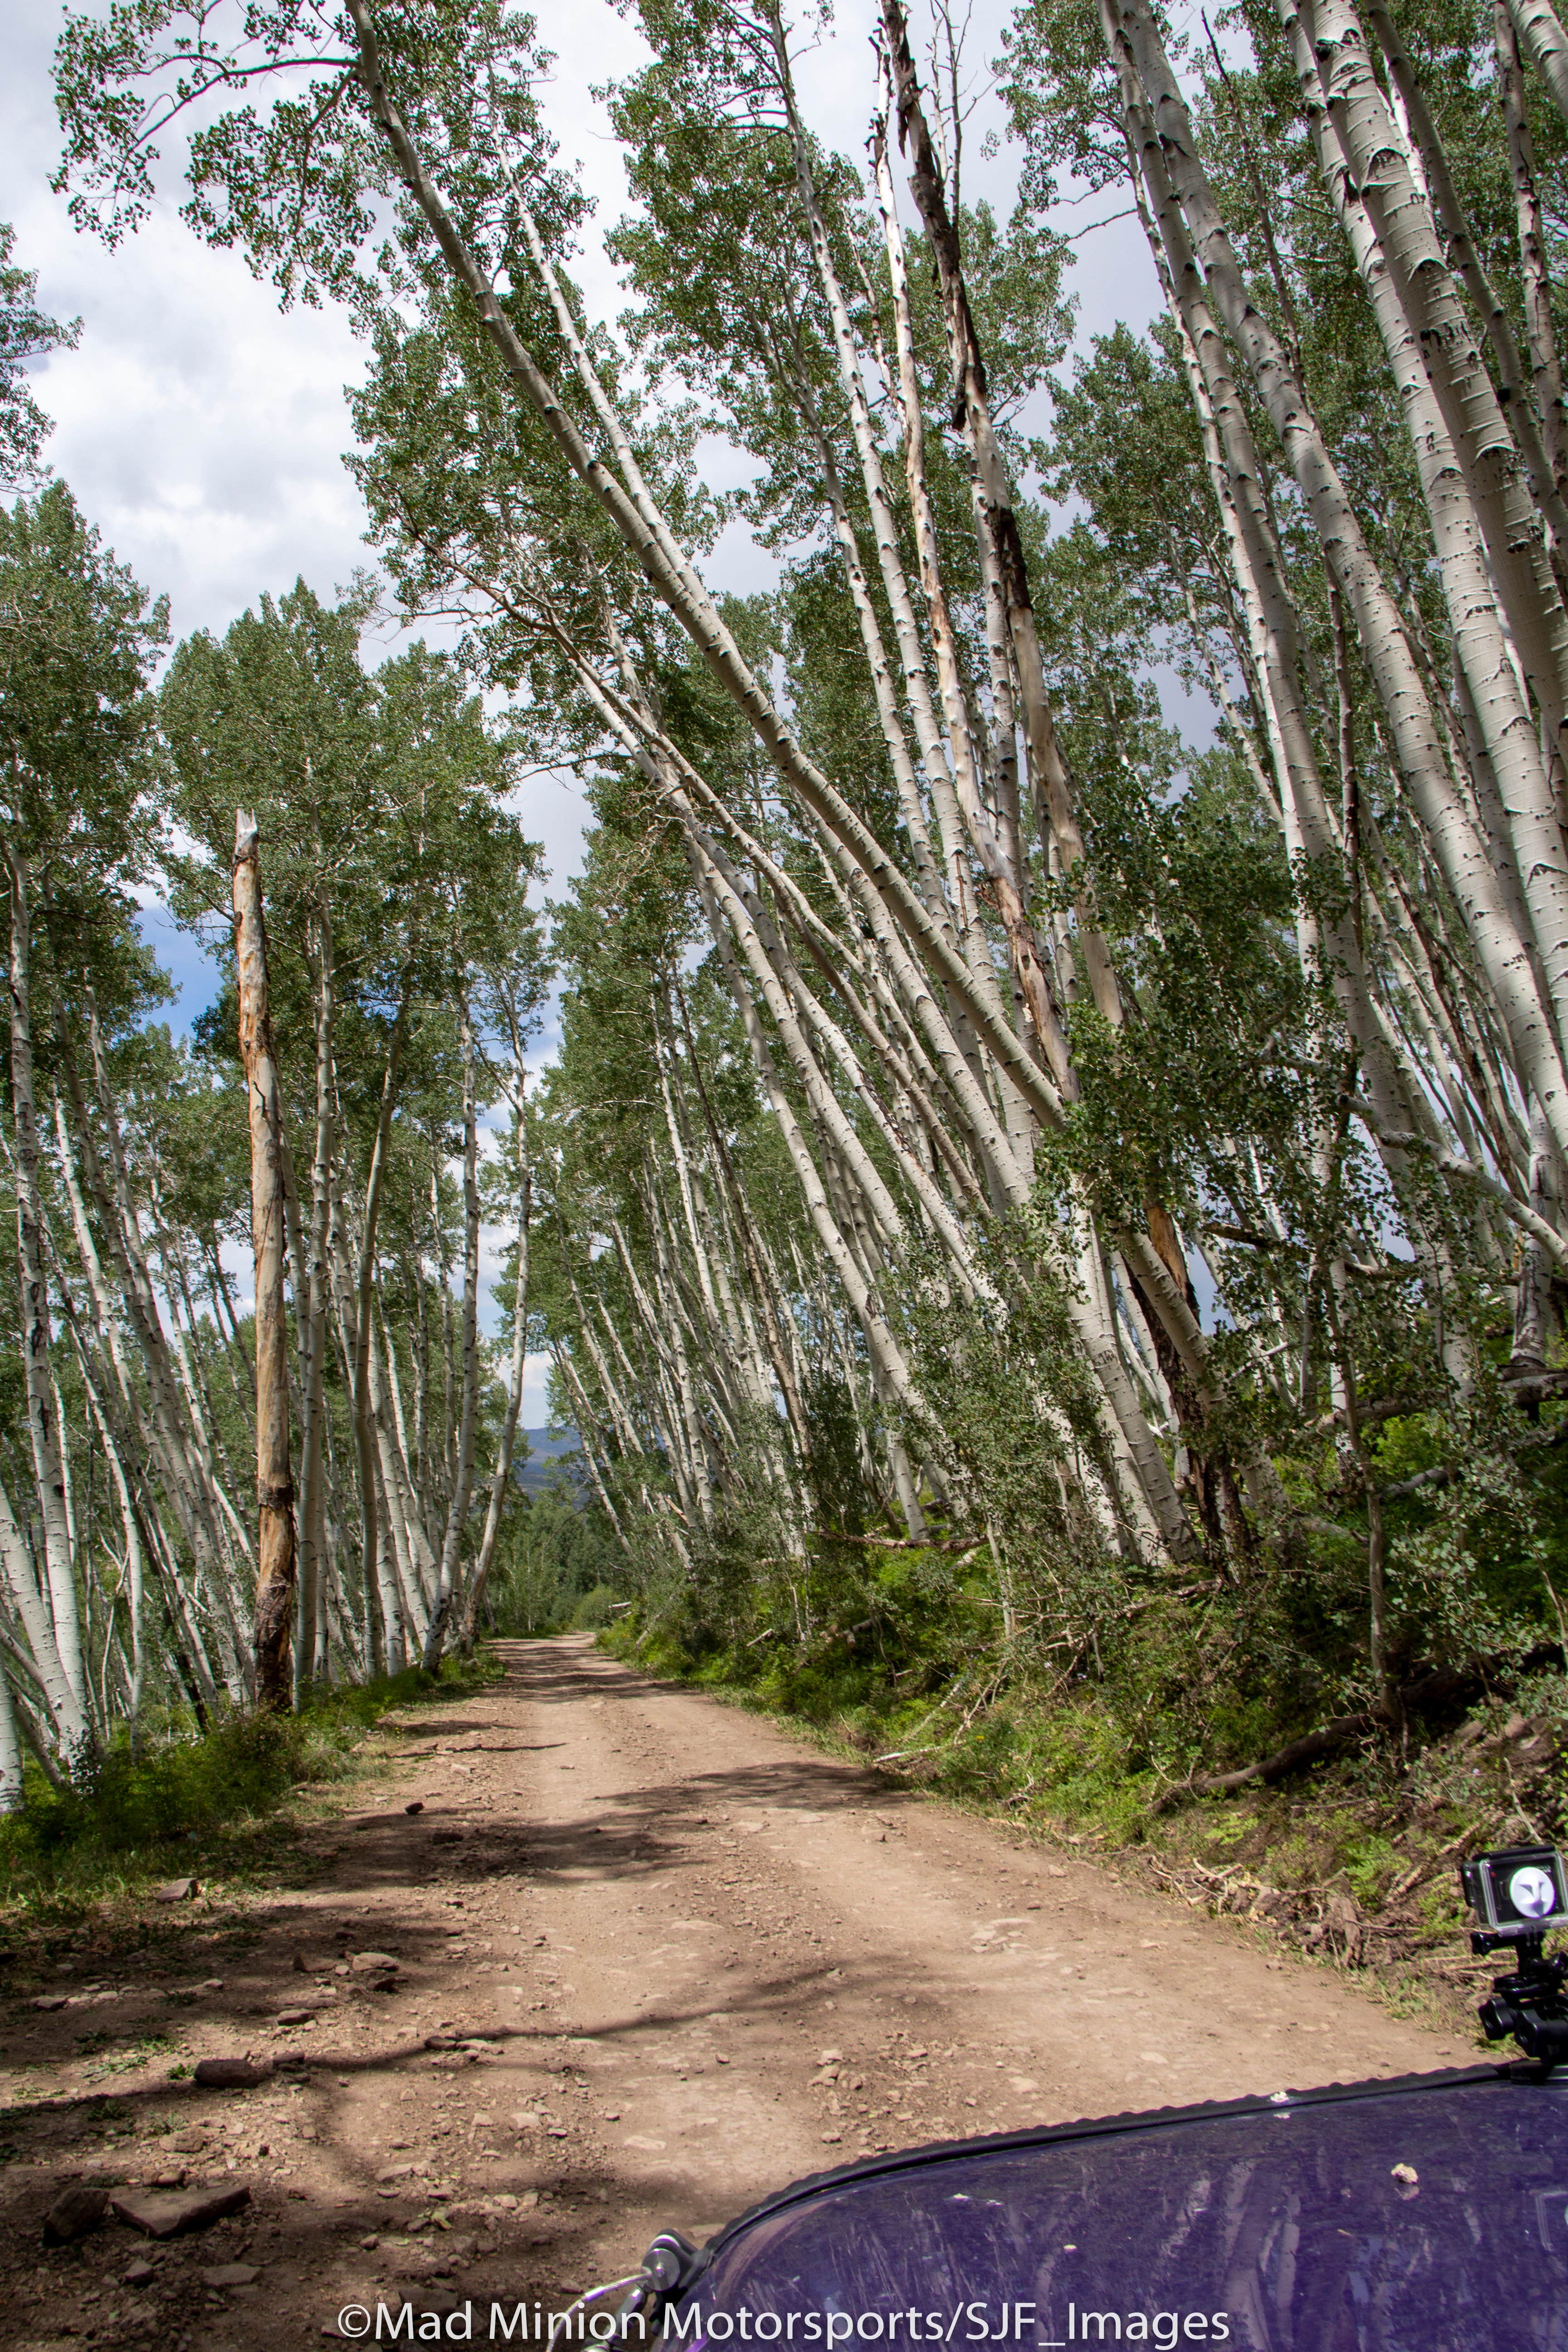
(223, 1803)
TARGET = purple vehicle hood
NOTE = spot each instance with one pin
(1423, 2215)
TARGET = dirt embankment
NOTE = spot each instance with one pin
(645, 1958)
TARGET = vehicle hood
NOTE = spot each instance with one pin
(1428, 2214)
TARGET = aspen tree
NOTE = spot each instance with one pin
(273, 1477)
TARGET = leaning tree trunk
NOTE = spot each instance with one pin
(1135, 46)
(1540, 30)
(268, 1234)
(647, 533)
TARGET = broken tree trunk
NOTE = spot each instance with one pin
(274, 1484)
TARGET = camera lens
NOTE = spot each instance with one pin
(1532, 1893)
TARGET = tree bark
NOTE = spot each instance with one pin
(314, 1562)
(501, 1477)
(10, 1750)
(190, 1491)
(1541, 455)
(1133, 40)
(43, 1428)
(1540, 30)
(463, 1473)
(1487, 529)
(268, 1235)
(358, 1304)
(1541, 332)
(72, 1729)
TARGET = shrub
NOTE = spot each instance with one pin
(183, 1786)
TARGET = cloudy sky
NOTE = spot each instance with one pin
(204, 433)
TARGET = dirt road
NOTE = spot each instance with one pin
(643, 1959)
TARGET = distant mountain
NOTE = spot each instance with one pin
(546, 1450)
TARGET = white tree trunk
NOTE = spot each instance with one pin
(315, 1561)
(500, 1475)
(43, 1428)
(463, 1476)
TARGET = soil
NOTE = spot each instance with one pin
(636, 1960)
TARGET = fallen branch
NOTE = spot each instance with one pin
(1311, 1745)
(1380, 1408)
(1399, 1270)
(901, 1543)
(1428, 1865)
(1445, 1475)
(1173, 1593)
(1285, 1760)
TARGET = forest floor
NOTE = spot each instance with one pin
(646, 1957)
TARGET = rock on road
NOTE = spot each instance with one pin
(671, 1958)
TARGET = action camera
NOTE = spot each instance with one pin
(1517, 1892)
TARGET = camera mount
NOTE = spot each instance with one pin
(1530, 2003)
(1520, 1893)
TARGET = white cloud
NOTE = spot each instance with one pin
(535, 1412)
